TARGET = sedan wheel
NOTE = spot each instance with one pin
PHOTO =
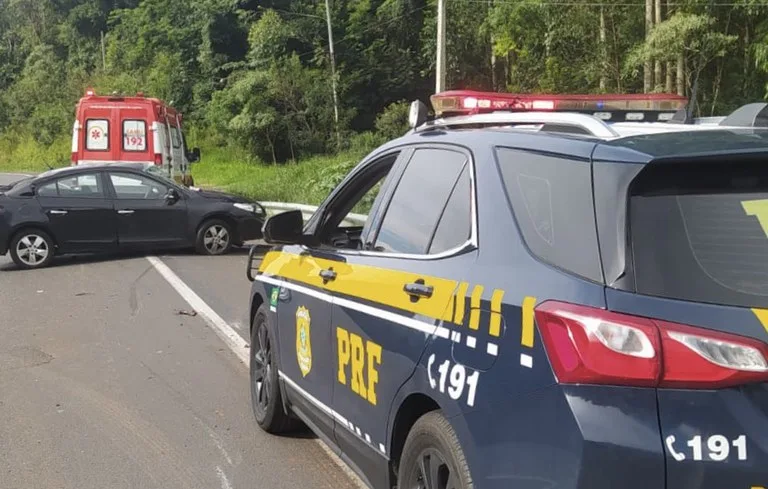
(214, 238)
(32, 249)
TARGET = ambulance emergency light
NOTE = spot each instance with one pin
(608, 107)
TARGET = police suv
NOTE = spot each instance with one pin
(530, 293)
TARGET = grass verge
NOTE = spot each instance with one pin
(228, 169)
(306, 182)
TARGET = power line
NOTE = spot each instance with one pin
(613, 4)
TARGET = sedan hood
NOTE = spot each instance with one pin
(221, 196)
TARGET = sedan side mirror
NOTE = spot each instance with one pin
(172, 196)
(285, 228)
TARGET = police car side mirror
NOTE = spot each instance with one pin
(417, 115)
(285, 228)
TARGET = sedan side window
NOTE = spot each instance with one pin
(78, 187)
(415, 221)
(135, 187)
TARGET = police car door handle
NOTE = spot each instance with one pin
(418, 290)
(125, 211)
(328, 275)
(57, 212)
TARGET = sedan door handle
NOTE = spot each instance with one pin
(328, 275)
(125, 211)
(418, 289)
(58, 212)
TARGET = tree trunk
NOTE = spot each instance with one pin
(680, 75)
(494, 67)
(603, 50)
(648, 66)
(657, 68)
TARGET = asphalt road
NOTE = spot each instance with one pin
(105, 383)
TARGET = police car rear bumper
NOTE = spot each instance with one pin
(576, 437)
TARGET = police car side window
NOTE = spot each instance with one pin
(420, 201)
(455, 225)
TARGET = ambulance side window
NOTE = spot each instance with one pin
(134, 135)
(97, 135)
(175, 137)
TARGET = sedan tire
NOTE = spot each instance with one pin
(214, 238)
(32, 248)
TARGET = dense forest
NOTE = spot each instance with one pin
(257, 74)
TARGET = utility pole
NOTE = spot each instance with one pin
(103, 53)
(333, 72)
(440, 64)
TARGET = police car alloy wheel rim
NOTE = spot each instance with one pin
(32, 250)
(216, 239)
(262, 367)
(433, 472)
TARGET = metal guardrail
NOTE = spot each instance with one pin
(307, 211)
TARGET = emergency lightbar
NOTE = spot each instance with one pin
(608, 107)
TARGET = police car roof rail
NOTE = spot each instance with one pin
(589, 124)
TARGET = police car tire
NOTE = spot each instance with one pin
(273, 419)
(49, 246)
(200, 244)
(432, 432)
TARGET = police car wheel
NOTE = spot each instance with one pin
(32, 248)
(266, 400)
(432, 457)
(214, 238)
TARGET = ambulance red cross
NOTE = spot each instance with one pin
(120, 129)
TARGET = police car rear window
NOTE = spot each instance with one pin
(701, 233)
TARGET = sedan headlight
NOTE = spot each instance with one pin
(245, 207)
(254, 208)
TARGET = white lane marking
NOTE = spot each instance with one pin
(382, 448)
(493, 349)
(456, 337)
(220, 445)
(223, 330)
(471, 341)
(526, 360)
(368, 438)
(223, 478)
(209, 315)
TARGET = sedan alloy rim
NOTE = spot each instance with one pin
(32, 249)
(216, 238)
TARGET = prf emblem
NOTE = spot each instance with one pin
(303, 343)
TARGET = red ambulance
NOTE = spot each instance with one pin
(116, 129)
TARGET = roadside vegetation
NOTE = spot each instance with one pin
(252, 78)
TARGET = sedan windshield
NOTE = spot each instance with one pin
(158, 173)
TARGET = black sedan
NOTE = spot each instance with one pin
(115, 207)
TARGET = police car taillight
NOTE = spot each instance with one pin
(631, 106)
(592, 346)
